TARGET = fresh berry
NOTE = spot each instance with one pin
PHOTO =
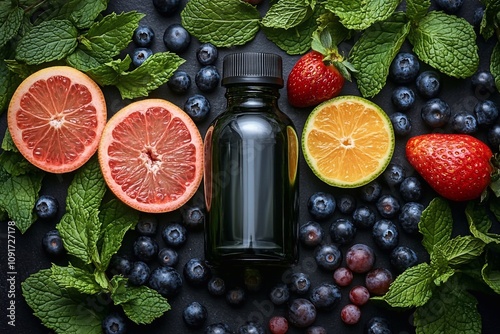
(363, 217)
(359, 295)
(450, 6)
(166, 280)
(147, 225)
(409, 217)
(410, 189)
(168, 257)
(456, 166)
(114, 324)
(483, 84)
(311, 234)
(486, 112)
(378, 280)
(140, 55)
(278, 325)
(342, 231)
(207, 78)
(388, 206)
(235, 296)
(436, 113)
(403, 98)
(403, 257)
(377, 325)
(360, 258)
(328, 257)
(143, 36)
(343, 276)
(139, 273)
(463, 122)
(346, 204)
(385, 234)
(52, 243)
(325, 296)
(198, 107)
(179, 82)
(194, 315)
(477, 17)
(401, 124)
(493, 136)
(321, 205)
(371, 192)
(316, 330)
(300, 283)
(46, 207)
(301, 313)
(193, 216)
(251, 327)
(120, 265)
(428, 84)
(166, 7)
(404, 68)
(207, 54)
(196, 272)
(279, 294)
(174, 235)
(218, 328)
(216, 286)
(176, 38)
(145, 248)
(312, 81)
(350, 314)
(394, 174)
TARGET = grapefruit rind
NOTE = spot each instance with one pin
(151, 156)
(384, 140)
(35, 124)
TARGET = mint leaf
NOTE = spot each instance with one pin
(286, 14)
(436, 223)
(73, 277)
(447, 43)
(141, 304)
(81, 13)
(441, 271)
(61, 309)
(411, 288)
(8, 81)
(87, 188)
(48, 41)
(360, 14)
(10, 21)
(480, 223)
(461, 249)
(85, 60)
(417, 9)
(495, 64)
(491, 272)
(490, 19)
(15, 164)
(451, 310)
(374, 51)
(223, 23)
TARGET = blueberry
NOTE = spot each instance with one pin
(216, 286)
(403, 257)
(301, 312)
(300, 283)
(207, 54)
(166, 7)
(236, 296)
(346, 204)
(486, 112)
(218, 328)
(377, 325)
(174, 235)
(193, 216)
(316, 330)
(409, 217)
(139, 56)
(311, 234)
(463, 122)
(428, 84)
(168, 257)
(194, 315)
(196, 272)
(436, 113)
(279, 294)
(388, 206)
(394, 174)
(166, 280)
(46, 207)
(371, 192)
(363, 217)
(251, 327)
(403, 98)
(207, 78)
(197, 107)
(404, 67)
(120, 265)
(139, 273)
(147, 225)
(450, 6)
(477, 17)
(179, 82)
(410, 189)
(328, 257)
(483, 84)
(342, 231)
(321, 205)
(325, 296)
(143, 36)
(145, 248)
(385, 234)
(401, 124)
(176, 38)
(114, 324)
(52, 243)
(493, 136)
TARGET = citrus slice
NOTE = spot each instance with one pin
(56, 117)
(151, 156)
(348, 141)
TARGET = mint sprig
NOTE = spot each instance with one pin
(489, 28)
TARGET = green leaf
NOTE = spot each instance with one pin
(15, 164)
(374, 51)
(491, 272)
(141, 304)
(8, 84)
(495, 64)
(286, 14)
(223, 23)
(10, 22)
(447, 43)
(417, 9)
(61, 309)
(329, 34)
(480, 224)
(48, 41)
(451, 310)
(436, 223)
(411, 288)
(441, 271)
(85, 60)
(490, 22)
(461, 249)
(73, 277)
(87, 188)
(81, 12)
(360, 14)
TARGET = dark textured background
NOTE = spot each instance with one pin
(30, 258)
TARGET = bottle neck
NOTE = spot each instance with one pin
(252, 97)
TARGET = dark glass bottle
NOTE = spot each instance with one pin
(251, 161)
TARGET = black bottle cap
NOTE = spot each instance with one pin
(252, 68)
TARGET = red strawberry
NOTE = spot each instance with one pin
(456, 166)
(311, 81)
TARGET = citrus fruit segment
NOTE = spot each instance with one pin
(151, 156)
(348, 141)
(56, 117)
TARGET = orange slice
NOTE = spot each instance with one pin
(348, 141)
(151, 156)
(56, 117)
